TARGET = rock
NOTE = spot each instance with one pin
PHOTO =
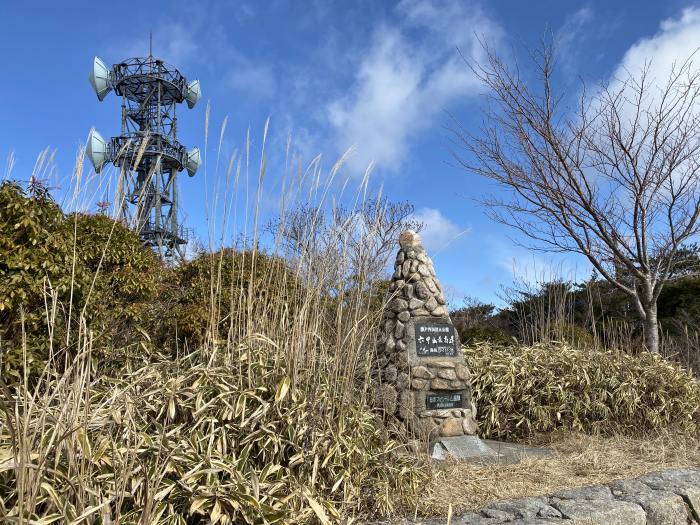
(447, 373)
(525, 508)
(408, 291)
(440, 311)
(456, 384)
(431, 304)
(382, 361)
(499, 515)
(443, 364)
(420, 311)
(661, 507)
(414, 266)
(397, 285)
(469, 426)
(451, 427)
(404, 316)
(406, 269)
(592, 492)
(398, 330)
(419, 384)
(462, 372)
(440, 298)
(421, 290)
(415, 303)
(439, 384)
(402, 381)
(400, 256)
(684, 482)
(400, 346)
(401, 360)
(423, 270)
(608, 512)
(431, 285)
(390, 343)
(421, 372)
(398, 305)
(409, 240)
(389, 374)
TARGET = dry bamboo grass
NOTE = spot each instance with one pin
(266, 421)
(523, 390)
(578, 460)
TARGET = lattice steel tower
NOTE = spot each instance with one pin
(147, 151)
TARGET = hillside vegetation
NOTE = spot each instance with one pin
(234, 388)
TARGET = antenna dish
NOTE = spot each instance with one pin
(97, 150)
(194, 93)
(194, 160)
(101, 79)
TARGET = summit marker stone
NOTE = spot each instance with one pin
(430, 391)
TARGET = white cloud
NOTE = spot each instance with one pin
(675, 42)
(408, 75)
(438, 231)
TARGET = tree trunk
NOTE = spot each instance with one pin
(651, 328)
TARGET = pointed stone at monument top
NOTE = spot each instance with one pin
(410, 240)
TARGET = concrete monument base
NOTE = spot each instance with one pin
(484, 451)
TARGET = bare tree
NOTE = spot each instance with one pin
(613, 178)
(363, 237)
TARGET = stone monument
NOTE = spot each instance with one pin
(421, 376)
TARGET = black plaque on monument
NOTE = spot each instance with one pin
(436, 340)
(440, 400)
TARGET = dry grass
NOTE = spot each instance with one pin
(578, 460)
(267, 420)
(525, 390)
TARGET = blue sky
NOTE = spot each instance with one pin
(380, 76)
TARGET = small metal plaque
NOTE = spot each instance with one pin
(436, 340)
(440, 400)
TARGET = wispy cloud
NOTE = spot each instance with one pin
(410, 72)
(438, 231)
(572, 36)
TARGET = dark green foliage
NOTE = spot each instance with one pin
(476, 322)
(34, 263)
(48, 280)
(212, 296)
(122, 277)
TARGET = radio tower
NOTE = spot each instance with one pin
(147, 151)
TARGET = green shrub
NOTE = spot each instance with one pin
(35, 262)
(221, 295)
(57, 269)
(522, 390)
(485, 334)
(122, 277)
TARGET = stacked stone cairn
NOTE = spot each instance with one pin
(425, 385)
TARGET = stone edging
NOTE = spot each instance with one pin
(670, 497)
